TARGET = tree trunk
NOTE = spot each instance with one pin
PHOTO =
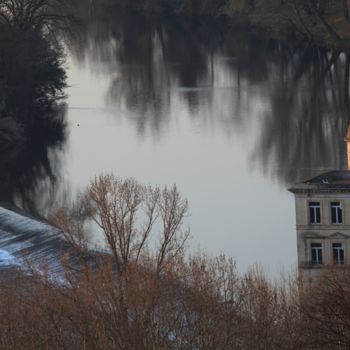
(346, 9)
(327, 26)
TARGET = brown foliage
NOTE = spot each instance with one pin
(148, 294)
(326, 306)
(201, 304)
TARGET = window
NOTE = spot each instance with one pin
(316, 254)
(315, 212)
(338, 253)
(337, 213)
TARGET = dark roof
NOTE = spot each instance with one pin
(331, 177)
(332, 181)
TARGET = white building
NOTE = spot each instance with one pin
(322, 206)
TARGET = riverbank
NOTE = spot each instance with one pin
(287, 20)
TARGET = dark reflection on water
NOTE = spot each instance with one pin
(304, 132)
(304, 89)
(32, 120)
(153, 59)
(219, 74)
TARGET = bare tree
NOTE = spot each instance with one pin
(148, 294)
(314, 11)
(346, 9)
(326, 307)
(34, 14)
(133, 216)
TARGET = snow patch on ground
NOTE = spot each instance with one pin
(7, 259)
(21, 222)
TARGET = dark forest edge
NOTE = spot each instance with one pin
(32, 108)
(324, 23)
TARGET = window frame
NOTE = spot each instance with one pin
(309, 211)
(320, 248)
(341, 206)
(341, 248)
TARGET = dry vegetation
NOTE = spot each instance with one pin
(45, 16)
(148, 294)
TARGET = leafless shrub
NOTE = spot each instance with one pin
(159, 298)
(326, 306)
(132, 218)
(153, 296)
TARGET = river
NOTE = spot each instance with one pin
(233, 120)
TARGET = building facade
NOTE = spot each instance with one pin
(322, 207)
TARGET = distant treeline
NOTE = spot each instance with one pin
(177, 7)
(325, 22)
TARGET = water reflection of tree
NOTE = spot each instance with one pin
(32, 119)
(305, 88)
(303, 133)
(149, 59)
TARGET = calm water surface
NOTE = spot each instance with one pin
(233, 126)
(232, 119)
(203, 144)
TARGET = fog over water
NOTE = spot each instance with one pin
(232, 118)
